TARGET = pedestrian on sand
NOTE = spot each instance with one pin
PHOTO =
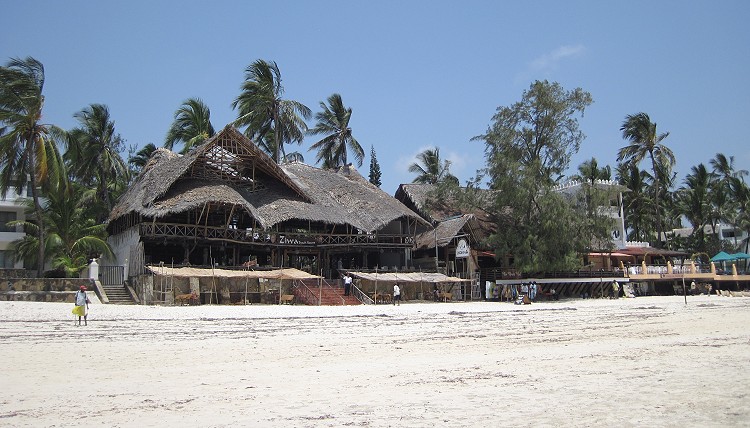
(396, 295)
(82, 305)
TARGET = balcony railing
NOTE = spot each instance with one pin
(212, 233)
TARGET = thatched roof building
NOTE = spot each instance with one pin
(227, 202)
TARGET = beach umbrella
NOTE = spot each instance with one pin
(722, 257)
(740, 256)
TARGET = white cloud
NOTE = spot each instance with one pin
(550, 61)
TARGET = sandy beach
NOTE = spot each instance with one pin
(648, 361)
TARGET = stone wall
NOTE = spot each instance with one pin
(45, 289)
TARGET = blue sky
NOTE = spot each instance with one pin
(417, 74)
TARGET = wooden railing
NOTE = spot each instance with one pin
(361, 296)
(307, 295)
(297, 239)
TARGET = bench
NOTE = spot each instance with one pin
(286, 299)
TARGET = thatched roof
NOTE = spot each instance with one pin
(218, 172)
(446, 214)
(192, 272)
(446, 230)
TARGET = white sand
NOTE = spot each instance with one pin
(649, 361)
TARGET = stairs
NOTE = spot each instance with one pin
(331, 294)
(117, 294)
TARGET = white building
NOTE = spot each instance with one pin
(11, 208)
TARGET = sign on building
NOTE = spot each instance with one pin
(462, 249)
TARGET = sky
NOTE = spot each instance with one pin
(417, 74)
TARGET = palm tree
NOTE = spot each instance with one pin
(589, 172)
(26, 145)
(262, 109)
(694, 201)
(333, 122)
(141, 157)
(191, 126)
(432, 170)
(646, 142)
(636, 202)
(94, 154)
(73, 236)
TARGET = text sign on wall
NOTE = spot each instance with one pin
(462, 249)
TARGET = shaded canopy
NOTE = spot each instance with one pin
(740, 256)
(407, 277)
(722, 257)
(190, 272)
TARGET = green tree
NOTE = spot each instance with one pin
(93, 155)
(528, 146)
(140, 158)
(191, 126)
(645, 142)
(262, 109)
(694, 201)
(432, 170)
(333, 123)
(73, 236)
(374, 168)
(637, 203)
(27, 146)
(590, 172)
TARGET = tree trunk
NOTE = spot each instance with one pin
(37, 208)
(657, 186)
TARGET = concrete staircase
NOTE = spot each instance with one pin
(331, 294)
(117, 294)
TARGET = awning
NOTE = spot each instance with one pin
(609, 255)
(188, 272)
(407, 277)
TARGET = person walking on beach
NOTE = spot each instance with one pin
(82, 305)
(396, 295)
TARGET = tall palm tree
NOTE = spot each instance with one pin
(333, 122)
(694, 201)
(26, 144)
(191, 126)
(646, 142)
(262, 109)
(94, 154)
(637, 204)
(432, 170)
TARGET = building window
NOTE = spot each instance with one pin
(6, 259)
(5, 217)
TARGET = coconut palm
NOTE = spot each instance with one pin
(589, 172)
(646, 142)
(141, 157)
(27, 148)
(191, 126)
(333, 122)
(94, 154)
(73, 236)
(637, 203)
(694, 201)
(432, 170)
(262, 109)
(268, 145)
